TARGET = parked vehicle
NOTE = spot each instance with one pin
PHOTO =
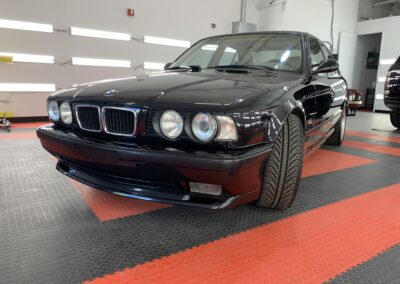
(226, 123)
(392, 93)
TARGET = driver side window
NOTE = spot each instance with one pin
(316, 54)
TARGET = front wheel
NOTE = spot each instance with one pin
(395, 119)
(282, 171)
(337, 136)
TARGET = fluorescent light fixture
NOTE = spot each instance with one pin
(166, 41)
(31, 58)
(153, 66)
(27, 26)
(379, 96)
(99, 34)
(382, 79)
(23, 87)
(388, 61)
(100, 62)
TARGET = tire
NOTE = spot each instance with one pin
(282, 172)
(395, 119)
(337, 136)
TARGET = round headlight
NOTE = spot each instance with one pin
(204, 127)
(53, 111)
(66, 113)
(171, 124)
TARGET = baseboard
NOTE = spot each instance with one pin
(382, 111)
(29, 119)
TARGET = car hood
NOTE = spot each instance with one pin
(209, 90)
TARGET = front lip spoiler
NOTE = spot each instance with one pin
(222, 202)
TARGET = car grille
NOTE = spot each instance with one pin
(88, 117)
(112, 120)
(119, 121)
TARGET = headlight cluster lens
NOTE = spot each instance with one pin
(53, 111)
(171, 124)
(204, 127)
(66, 113)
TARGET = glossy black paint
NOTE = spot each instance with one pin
(392, 95)
(259, 101)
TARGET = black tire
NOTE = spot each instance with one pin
(282, 171)
(337, 136)
(395, 119)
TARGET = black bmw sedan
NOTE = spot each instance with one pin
(228, 122)
(392, 93)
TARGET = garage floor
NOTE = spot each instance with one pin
(344, 226)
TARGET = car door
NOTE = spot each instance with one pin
(330, 90)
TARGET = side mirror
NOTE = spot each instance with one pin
(327, 66)
(166, 66)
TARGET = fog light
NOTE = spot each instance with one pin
(210, 189)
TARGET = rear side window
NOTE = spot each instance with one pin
(325, 51)
(316, 54)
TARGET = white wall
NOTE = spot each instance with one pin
(177, 19)
(390, 47)
(312, 16)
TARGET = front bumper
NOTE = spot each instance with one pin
(158, 174)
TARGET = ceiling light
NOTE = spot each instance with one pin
(23, 87)
(153, 66)
(32, 58)
(99, 34)
(166, 41)
(379, 96)
(27, 26)
(100, 62)
(388, 61)
(382, 79)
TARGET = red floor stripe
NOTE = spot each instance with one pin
(308, 248)
(108, 206)
(373, 136)
(15, 136)
(324, 161)
(373, 147)
(29, 125)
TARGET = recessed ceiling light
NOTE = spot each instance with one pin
(24, 87)
(31, 58)
(99, 34)
(100, 62)
(166, 41)
(27, 26)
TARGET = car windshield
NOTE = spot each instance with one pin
(278, 51)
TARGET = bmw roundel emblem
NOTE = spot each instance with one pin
(110, 93)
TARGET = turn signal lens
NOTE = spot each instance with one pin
(387, 84)
(228, 130)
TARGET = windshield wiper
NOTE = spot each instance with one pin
(193, 68)
(237, 66)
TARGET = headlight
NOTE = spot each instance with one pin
(171, 124)
(53, 111)
(227, 131)
(66, 113)
(204, 127)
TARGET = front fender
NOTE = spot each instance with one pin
(278, 115)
